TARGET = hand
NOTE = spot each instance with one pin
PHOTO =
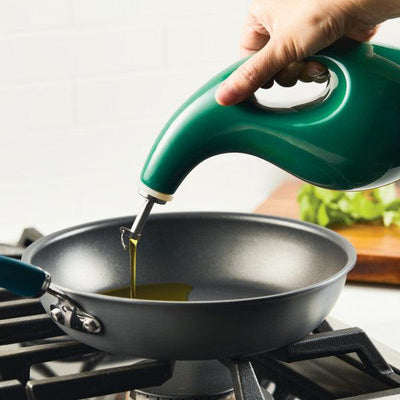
(284, 32)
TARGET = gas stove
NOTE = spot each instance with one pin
(39, 362)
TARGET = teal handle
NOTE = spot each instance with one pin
(351, 140)
(21, 278)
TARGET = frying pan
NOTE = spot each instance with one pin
(259, 283)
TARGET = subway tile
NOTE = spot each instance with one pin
(35, 56)
(118, 49)
(28, 14)
(74, 153)
(35, 105)
(116, 99)
(204, 40)
(75, 52)
(99, 11)
(151, 94)
(34, 201)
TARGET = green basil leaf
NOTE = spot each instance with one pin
(326, 207)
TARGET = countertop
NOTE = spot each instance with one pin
(376, 309)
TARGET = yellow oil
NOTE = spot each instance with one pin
(169, 291)
(132, 257)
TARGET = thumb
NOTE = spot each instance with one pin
(362, 32)
(251, 75)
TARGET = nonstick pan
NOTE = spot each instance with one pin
(259, 283)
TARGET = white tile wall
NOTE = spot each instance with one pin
(85, 86)
(35, 105)
(196, 41)
(70, 52)
(101, 11)
(28, 15)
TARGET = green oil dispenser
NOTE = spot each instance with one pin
(348, 140)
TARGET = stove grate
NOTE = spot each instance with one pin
(16, 363)
(102, 382)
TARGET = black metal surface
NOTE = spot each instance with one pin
(26, 328)
(194, 379)
(245, 381)
(295, 383)
(12, 390)
(98, 383)
(17, 363)
(385, 395)
(305, 370)
(340, 342)
(7, 295)
(246, 271)
(12, 308)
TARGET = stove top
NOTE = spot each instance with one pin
(39, 362)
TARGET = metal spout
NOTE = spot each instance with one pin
(136, 230)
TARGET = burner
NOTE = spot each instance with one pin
(192, 380)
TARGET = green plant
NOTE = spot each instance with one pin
(327, 207)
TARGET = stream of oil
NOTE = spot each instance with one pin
(169, 291)
(132, 257)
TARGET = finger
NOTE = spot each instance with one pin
(314, 72)
(362, 32)
(251, 75)
(289, 75)
(254, 37)
(268, 84)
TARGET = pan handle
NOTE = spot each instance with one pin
(23, 279)
(29, 281)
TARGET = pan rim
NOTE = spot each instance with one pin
(334, 237)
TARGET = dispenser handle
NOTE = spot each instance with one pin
(339, 85)
(189, 136)
(305, 142)
(21, 278)
(337, 91)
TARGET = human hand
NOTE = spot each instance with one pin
(284, 32)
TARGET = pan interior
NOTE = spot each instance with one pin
(222, 256)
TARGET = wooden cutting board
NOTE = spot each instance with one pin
(378, 247)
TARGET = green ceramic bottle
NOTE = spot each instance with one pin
(349, 140)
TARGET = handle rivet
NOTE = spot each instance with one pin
(57, 315)
(67, 313)
(91, 325)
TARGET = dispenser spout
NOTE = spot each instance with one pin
(136, 230)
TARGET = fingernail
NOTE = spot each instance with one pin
(227, 94)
